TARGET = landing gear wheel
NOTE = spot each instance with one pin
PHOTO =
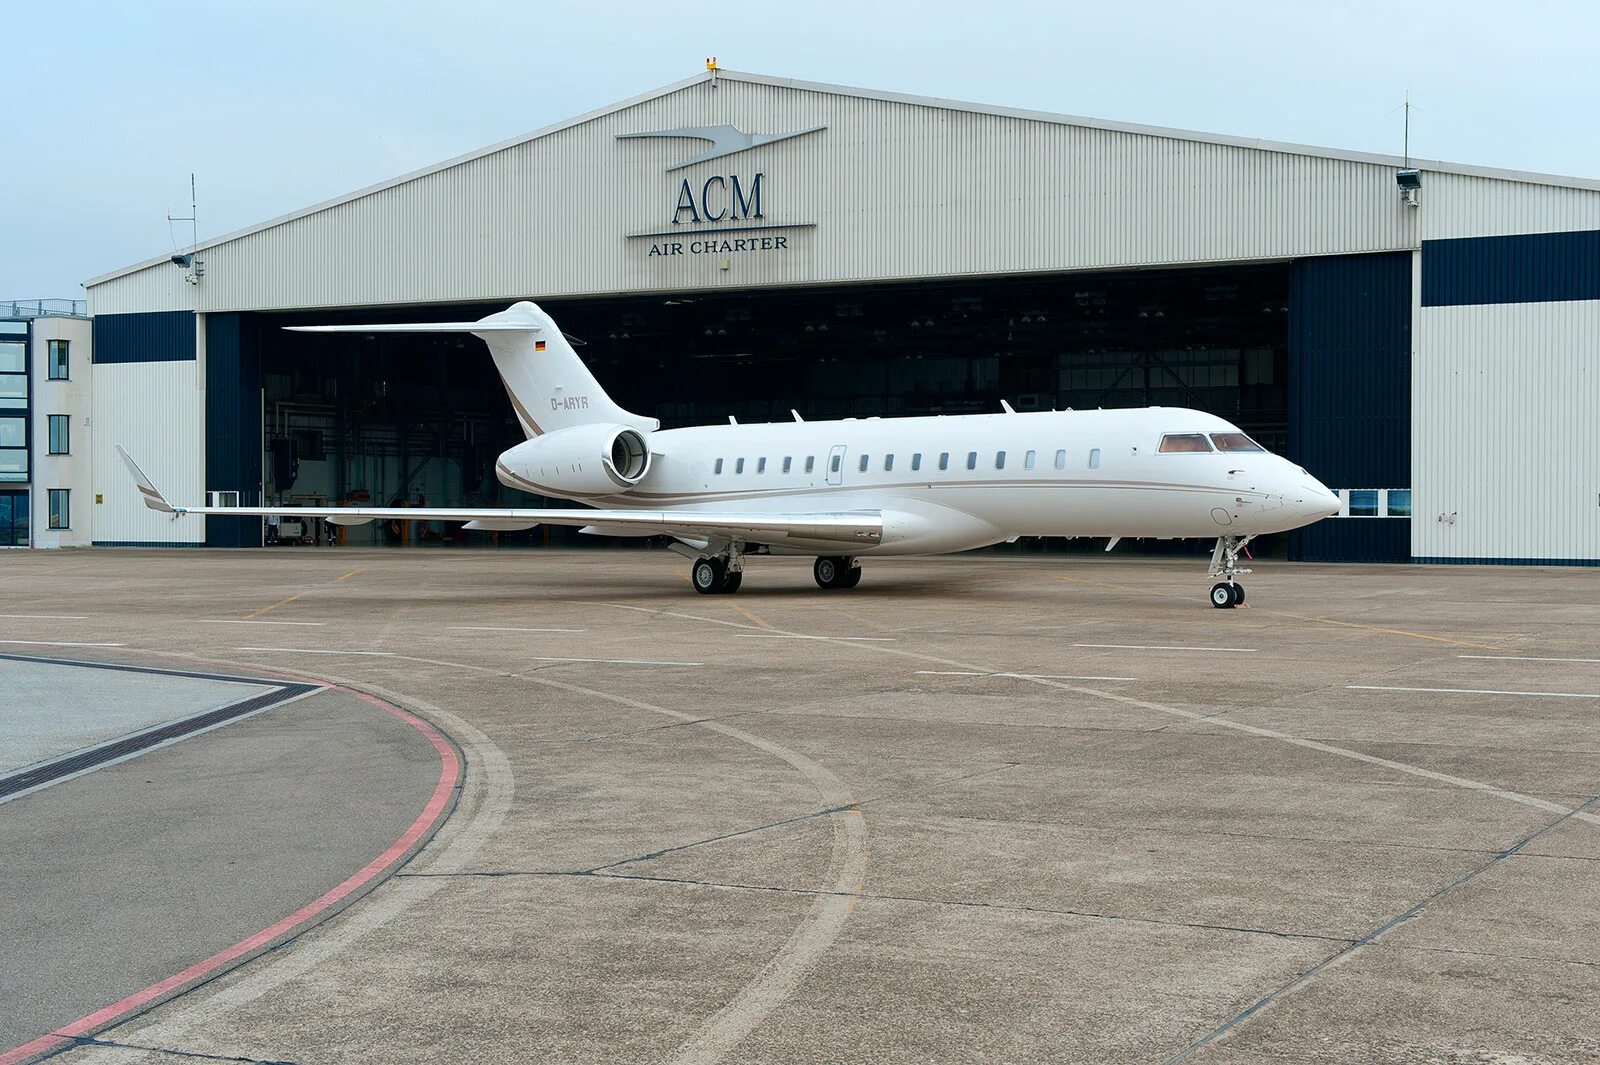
(731, 582)
(708, 576)
(1222, 595)
(834, 571)
(1238, 593)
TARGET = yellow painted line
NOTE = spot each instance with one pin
(1394, 632)
(274, 606)
(749, 615)
(1117, 587)
(352, 573)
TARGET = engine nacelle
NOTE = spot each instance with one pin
(584, 460)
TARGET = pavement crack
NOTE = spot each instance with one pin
(85, 1040)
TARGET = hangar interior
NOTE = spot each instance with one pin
(384, 418)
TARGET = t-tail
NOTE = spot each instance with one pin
(549, 386)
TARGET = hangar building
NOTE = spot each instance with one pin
(736, 244)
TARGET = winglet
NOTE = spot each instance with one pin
(152, 497)
(1007, 407)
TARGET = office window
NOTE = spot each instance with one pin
(1061, 459)
(888, 463)
(761, 465)
(999, 460)
(13, 356)
(718, 469)
(1399, 503)
(60, 511)
(13, 431)
(944, 460)
(972, 460)
(788, 461)
(811, 463)
(738, 465)
(1363, 502)
(60, 434)
(916, 461)
(1027, 461)
(864, 461)
(1094, 458)
(57, 360)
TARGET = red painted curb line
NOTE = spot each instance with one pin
(449, 777)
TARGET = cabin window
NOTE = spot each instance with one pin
(916, 461)
(1027, 461)
(1184, 443)
(944, 460)
(1061, 459)
(972, 460)
(1235, 442)
(738, 465)
(888, 463)
(761, 465)
(811, 463)
(999, 460)
(838, 461)
(864, 461)
(719, 467)
(788, 461)
(1094, 458)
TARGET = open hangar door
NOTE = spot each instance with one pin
(384, 417)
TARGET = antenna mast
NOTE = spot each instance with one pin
(197, 267)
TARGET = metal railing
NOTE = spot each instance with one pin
(44, 308)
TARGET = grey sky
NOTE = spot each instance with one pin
(108, 107)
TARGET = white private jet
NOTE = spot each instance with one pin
(839, 490)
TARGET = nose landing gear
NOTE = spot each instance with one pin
(1227, 593)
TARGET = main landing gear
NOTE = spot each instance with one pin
(1227, 593)
(837, 571)
(715, 576)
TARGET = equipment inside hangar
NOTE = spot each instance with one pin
(392, 419)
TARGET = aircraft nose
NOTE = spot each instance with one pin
(1318, 500)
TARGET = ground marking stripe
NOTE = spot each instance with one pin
(1528, 658)
(317, 651)
(506, 628)
(798, 636)
(47, 617)
(58, 643)
(246, 621)
(1468, 691)
(426, 821)
(1018, 676)
(1161, 647)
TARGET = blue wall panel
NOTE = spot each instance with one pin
(233, 423)
(159, 336)
(1526, 268)
(1350, 395)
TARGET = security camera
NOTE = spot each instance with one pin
(184, 261)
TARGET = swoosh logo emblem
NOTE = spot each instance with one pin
(725, 140)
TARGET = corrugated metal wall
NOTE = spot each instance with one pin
(1507, 416)
(155, 410)
(158, 336)
(1350, 395)
(888, 190)
(233, 423)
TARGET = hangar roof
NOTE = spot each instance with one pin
(813, 91)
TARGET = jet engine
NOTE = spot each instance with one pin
(583, 460)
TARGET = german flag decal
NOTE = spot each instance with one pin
(538, 345)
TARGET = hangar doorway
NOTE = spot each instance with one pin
(382, 418)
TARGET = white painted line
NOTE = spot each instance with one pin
(621, 661)
(1471, 691)
(317, 651)
(498, 628)
(1159, 647)
(1018, 676)
(801, 636)
(59, 643)
(232, 621)
(1529, 658)
(48, 617)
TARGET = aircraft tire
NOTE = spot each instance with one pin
(1238, 593)
(1222, 596)
(827, 571)
(708, 576)
(851, 578)
(731, 582)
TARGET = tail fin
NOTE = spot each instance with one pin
(152, 495)
(549, 386)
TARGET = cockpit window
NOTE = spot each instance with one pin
(1181, 442)
(1235, 442)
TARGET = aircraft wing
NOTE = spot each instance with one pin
(843, 528)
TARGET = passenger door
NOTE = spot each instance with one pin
(836, 464)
